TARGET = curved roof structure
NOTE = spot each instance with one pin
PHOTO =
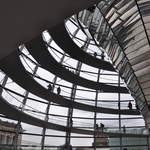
(39, 51)
(11, 65)
(59, 33)
(82, 70)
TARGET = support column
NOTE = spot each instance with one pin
(119, 108)
(95, 113)
(17, 128)
(48, 106)
(47, 117)
(148, 146)
(3, 84)
(72, 97)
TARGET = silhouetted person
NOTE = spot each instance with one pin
(149, 107)
(102, 56)
(96, 126)
(102, 127)
(49, 87)
(130, 105)
(58, 90)
(149, 130)
(137, 107)
(95, 54)
(124, 129)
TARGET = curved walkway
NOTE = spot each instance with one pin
(62, 39)
(39, 52)
(12, 66)
(13, 113)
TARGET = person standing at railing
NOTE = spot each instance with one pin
(95, 54)
(124, 129)
(102, 56)
(58, 90)
(137, 107)
(102, 127)
(49, 87)
(96, 127)
(130, 105)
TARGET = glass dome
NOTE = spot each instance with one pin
(65, 93)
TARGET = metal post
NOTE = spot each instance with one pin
(3, 84)
(27, 93)
(15, 141)
(48, 108)
(148, 146)
(119, 108)
(95, 113)
(96, 98)
(22, 108)
(72, 97)
(70, 113)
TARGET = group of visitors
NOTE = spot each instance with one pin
(58, 89)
